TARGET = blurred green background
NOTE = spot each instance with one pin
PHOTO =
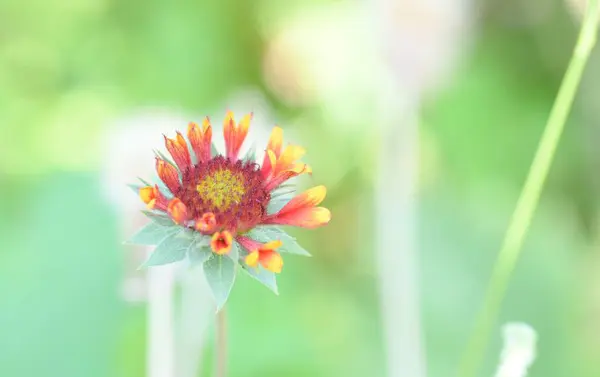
(68, 68)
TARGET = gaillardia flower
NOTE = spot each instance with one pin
(222, 211)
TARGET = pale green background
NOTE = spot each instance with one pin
(68, 67)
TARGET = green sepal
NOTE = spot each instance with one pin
(164, 190)
(146, 183)
(275, 205)
(251, 154)
(219, 272)
(136, 186)
(173, 248)
(160, 218)
(266, 278)
(152, 234)
(279, 198)
(165, 158)
(289, 245)
(200, 251)
(287, 189)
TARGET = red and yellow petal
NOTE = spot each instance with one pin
(280, 166)
(288, 158)
(274, 147)
(177, 210)
(206, 223)
(235, 134)
(147, 194)
(309, 198)
(271, 260)
(221, 242)
(276, 141)
(178, 149)
(153, 198)
(252, 258)
(264, 254)
(301, 211)
(200, 139)
(308, 218)
(269, 163)
(297, 169)
(168, 174)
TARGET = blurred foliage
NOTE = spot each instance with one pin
(68, 67)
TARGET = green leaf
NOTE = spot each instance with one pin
(219, 271)
(198, 254)
(152, 234)
(159, 218)
(269, 233)
(266, 278)
(172, 249)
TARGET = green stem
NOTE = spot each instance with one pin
(530, 194)
(221, 344)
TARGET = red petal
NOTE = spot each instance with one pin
(179, 150)
(168, 174)
(177, 210)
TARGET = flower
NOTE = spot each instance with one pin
(228, 200)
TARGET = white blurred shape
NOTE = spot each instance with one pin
(195, 315)
(324, 56)
(577, 7)
(519, 351)
(128, 147)
(333, 55)
(161, 347)
(397, 259)
(370, 63)
(422, 39)
(128, 153)
(417, 43)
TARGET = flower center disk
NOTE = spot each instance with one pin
(233, 192)
(223, 188)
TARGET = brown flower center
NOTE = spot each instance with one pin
(234, 192)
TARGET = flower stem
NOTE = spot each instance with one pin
(221, 343)
(530, 194)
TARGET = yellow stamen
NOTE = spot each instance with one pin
(223, 188)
